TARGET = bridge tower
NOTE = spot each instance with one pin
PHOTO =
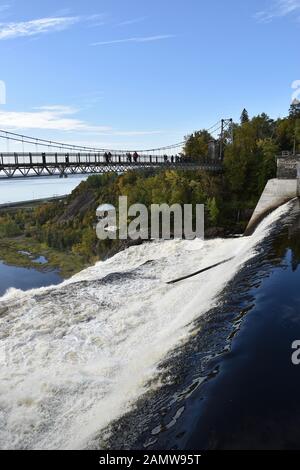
(226, 135)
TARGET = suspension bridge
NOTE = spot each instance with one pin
(40, 157)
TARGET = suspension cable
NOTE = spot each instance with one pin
(13, 136)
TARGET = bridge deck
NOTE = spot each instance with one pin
(63, 164)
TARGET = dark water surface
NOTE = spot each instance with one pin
(25, 278)
(234, 384)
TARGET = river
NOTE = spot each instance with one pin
(23, 189)
(117, 358)
(25, 278)
(27, 189)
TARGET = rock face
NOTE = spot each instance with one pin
(79, 205)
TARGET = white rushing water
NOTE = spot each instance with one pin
(77, 356)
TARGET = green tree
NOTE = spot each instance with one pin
(268, 150)
(244, 116)
(285, 133)
(196, 145)
(263, 126)
(213, 210)
(241, 161)
(294, 112)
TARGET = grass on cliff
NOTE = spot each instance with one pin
(67, 263)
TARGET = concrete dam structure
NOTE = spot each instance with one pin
(279, 190)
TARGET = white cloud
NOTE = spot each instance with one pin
(279, 9)
(58, 109)
(132, 21)
(35, 27)
(47, 117)
(134, 39)
(134, 133)
(96, 20)
(39, 26)
(58, 118)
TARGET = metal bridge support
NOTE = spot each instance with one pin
(226, 135)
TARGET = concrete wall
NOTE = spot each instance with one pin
(287, 166)
(276, 193)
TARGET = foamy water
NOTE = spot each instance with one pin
(77, 356)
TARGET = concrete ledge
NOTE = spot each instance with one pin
(276, 193)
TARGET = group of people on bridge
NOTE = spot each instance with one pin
(130, 158)
(135, 157)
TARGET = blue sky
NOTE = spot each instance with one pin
(137, 74)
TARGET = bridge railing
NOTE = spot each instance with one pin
(13, 165)
(76, 159)
(71, 159)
